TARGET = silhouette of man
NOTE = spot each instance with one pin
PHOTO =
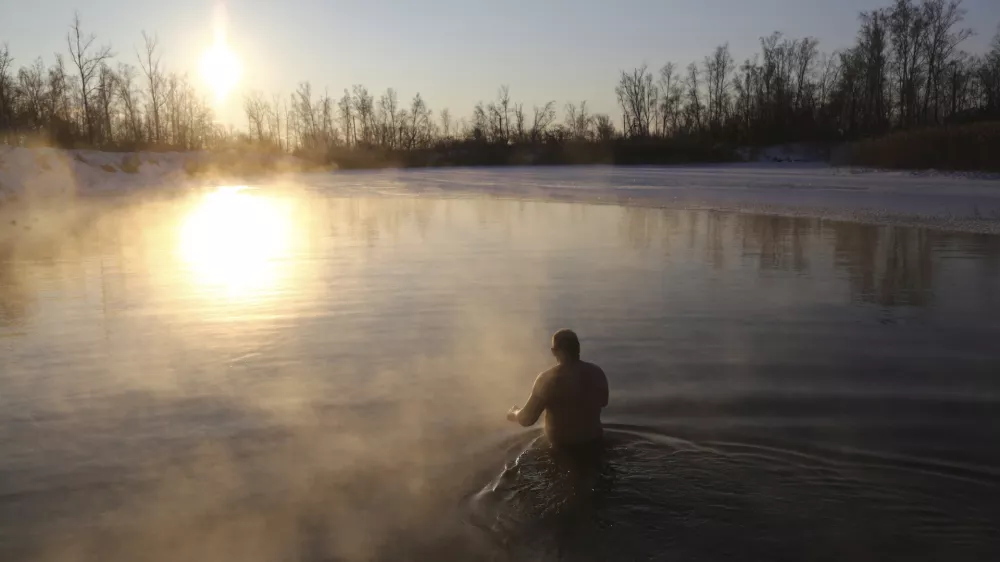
(572, 394)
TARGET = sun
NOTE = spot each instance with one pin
(220, 69)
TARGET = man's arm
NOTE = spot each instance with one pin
(533, 408)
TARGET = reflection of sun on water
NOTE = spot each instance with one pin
(235, 242)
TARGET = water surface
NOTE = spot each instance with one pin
(282, 374)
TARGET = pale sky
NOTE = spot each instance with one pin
(454, 52)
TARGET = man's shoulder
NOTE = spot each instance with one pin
(546, 376)
(549, 374)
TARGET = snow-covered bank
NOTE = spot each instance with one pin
(966, 202)
(45, 193)
(39, 179)
(46, 175)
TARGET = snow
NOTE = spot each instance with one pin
(38, 175)
(967, 202)
(46, 173)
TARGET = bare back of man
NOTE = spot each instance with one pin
(571, 394)
(574, 394)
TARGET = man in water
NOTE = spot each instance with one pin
(572, 394)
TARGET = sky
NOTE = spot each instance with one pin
(454, 52)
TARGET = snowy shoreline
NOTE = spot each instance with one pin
(39, 175)
(35, 180)
(948, 201)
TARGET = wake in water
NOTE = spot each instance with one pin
(648, 496)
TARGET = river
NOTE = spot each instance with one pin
(293, 374)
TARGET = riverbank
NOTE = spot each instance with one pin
(965, 202)
(52, 176)
(35, 181)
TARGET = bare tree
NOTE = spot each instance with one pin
(388, 116)
(364, 104)
(106, 92)
(605, 128)
(693, 93)
(804, 62)
(330, 137)
(942, 40)
(446, 123)
(289, 140)
(717, 70)
(129, 100)
(571, 115)
(419, 126)
(988, 76)
(88, 61)
(149, 61)
(314, 120)
(907, 34)
(31, 84)
(345, 108)
(58, 98)
(256, 111)
(6, 88)
(274, 121)
(543, 118)
(747, 95)
(578, 121)
(462, 129)
(873, 46)
(520, 132)
(637, 98)
(498, 114)
(670, 91)
(171, 105)
(480, 128)
(305, 118)
(828, 77)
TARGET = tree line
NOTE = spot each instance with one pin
(89, 99)
(906, 69)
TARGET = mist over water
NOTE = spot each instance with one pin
(282, 374)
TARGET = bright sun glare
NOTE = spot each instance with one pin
(220, 69)
(234, 241)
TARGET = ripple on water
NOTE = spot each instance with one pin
(648, 496)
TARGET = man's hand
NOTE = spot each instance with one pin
(512, 414)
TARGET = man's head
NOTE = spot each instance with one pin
(565, 346)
